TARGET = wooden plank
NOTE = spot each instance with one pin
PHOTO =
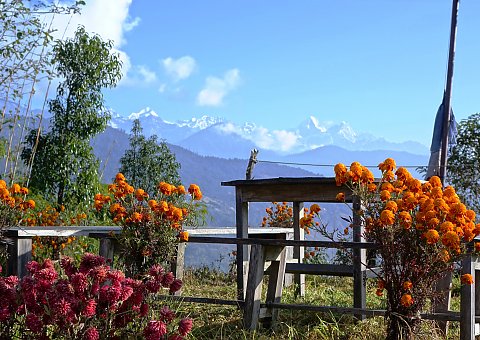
(276, 242)
(251, 310)
(107, 249)
(241, 221)
(61, 231)
(298, 251)
(178, 264)
(359, 260)
(442, 304)
(19, 254)
(275, 286)
(320, 269)
(467, 302)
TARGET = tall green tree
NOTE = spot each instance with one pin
(464, 162)
(64, 167)
(148, 161)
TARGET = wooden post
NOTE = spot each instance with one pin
(19, 254)
(275, 285)
(359, 260)
(178, 264)
(107, 248)
(467, 301)
(251, 163)
(298, 252)
(242, 250)
(251, 312)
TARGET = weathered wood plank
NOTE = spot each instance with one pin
(359, 260)
(305, 189)
(467, 302)
(251, 310)
(178, 264)
(241, 218)
(298, 251)
(107, 248)
(19, 254)
(320, 269)
(275, 286)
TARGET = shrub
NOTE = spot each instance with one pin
(91, 301)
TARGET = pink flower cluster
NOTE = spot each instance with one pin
(90, 302)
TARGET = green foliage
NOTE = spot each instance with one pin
(64, 167)
(147, 162)
(464, 162)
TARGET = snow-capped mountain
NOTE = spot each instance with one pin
(215, 136)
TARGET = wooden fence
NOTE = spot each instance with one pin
(253, 253)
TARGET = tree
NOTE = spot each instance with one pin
(464, 162)
(64, 166)
(148, 162)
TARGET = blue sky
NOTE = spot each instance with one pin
(380, 65)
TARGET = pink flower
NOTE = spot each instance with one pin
(185, 326)
(167, 279)
(176, 285)
(143, 309)
(90, 261)
(4, 313)
(90, 308)
(126, 292)
(91, 334)
(116, 276)
(32, 267)
(154, 330)
(175, 337)
(156, 271)
(152, 286)
(33, 323)
(79, 282)
(167, 314)
(67, 264)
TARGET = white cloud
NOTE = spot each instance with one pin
(147, 75)
(107, 18)
(280, 140)
(130, 25)
(216, 89)
(180, 68)
(162, 88)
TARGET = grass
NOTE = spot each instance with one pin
(225, 322)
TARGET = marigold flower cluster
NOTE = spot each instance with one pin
(151, 225)
(420, 227)
(14, 207)
(91, 301)
(279, 215)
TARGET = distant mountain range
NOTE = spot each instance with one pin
(214, 136)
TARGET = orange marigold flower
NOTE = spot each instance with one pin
(181, 190)
(177, 214)
(414, 185)
(367, 176)
(140, 194)
(387, 217)
(444, 255)
(340, 172)
(433, 222)
(431, 236)
(152, 204)
(381, 284)
(315, 208)
(15, 189)
(119, 177)
(427, 187)
(435, 181)
(194, 190)
(387, 186)
(3, 184)
(31, 204)
(392, 206)
(402, 174)
(24, 191)
(458, 209)
(387, 165)
(166, 188)
(405, 219)
(470, 214)
(371, 187)
(340, 197)
(477, 246)
(451, 240)
(449, 192)
(183, 236)
(385, 195)
(407, 285)
(388, 176)
(436, 192)
(379, 292)
(406, 300)
(446, 227)
(466, 279)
